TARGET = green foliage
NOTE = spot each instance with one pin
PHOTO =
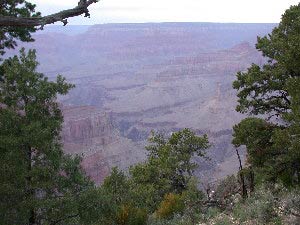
(265, 90)
(171, 204)
(226, 192)
(193, 199)
(185, 208)
(223, 221)
(289, 202)
(273, 146)
(261, 206)
(129, 215)
(212, 212)
(145, 195)
(39, 184)
(177, 219)
(9, 35)
(273, 150)
(96, 207)
(169, 167)
(117, 185)
(139, 217)
(268, 204)
(149, 188)
(256, 134)
(123, 201)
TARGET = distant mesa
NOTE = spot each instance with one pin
(134, 78)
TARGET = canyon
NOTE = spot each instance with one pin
(134, 78)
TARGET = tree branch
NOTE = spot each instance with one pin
(81, 8)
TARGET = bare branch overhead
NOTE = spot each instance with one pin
(62, 16)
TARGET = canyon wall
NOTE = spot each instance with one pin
(134, 78)
(90, 132)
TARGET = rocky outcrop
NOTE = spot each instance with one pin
(89, 132)
(86, 126)
(96, 167)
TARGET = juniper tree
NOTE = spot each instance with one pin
(272, 92)
(169, 167)
(39, 184)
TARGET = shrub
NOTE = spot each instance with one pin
(223, 221)
(177, 219)
(212, 212)
(261, 206)
(227, 189)
(171, 204)
(138, 217)
(128, 215)
(290, 206)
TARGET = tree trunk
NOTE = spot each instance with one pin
(244, 189)
(32, 217)
(29, 189)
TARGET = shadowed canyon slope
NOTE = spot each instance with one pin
(132, 78)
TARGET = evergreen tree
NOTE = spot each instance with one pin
(39, 184)
(117, 185)
(272, 92)
(169, 167)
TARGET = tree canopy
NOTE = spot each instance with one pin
(163, 185)
(170, 165)
(22, 18)
(272, 93)
(18, 19)
(39, 184)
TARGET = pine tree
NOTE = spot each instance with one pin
(39, 184)
(272, 92)
(169, 167)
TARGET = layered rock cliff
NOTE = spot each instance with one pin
(132, 78)
(90, 133)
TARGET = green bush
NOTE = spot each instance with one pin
(261, 207)
(211, 213)
(171, 204)
(129, 215)
(223, 221)
(177, 219)
(290, 206)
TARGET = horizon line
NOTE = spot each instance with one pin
(167, 22)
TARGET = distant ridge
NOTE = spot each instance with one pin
(161, 76)
(69, 29)
(79, 29)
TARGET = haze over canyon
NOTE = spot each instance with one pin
(134, 78)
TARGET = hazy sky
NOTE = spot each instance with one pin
(131, 11)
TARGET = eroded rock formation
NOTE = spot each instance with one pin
(132, 78)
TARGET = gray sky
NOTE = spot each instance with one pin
(132, 11)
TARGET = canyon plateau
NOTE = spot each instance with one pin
(134, 78)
